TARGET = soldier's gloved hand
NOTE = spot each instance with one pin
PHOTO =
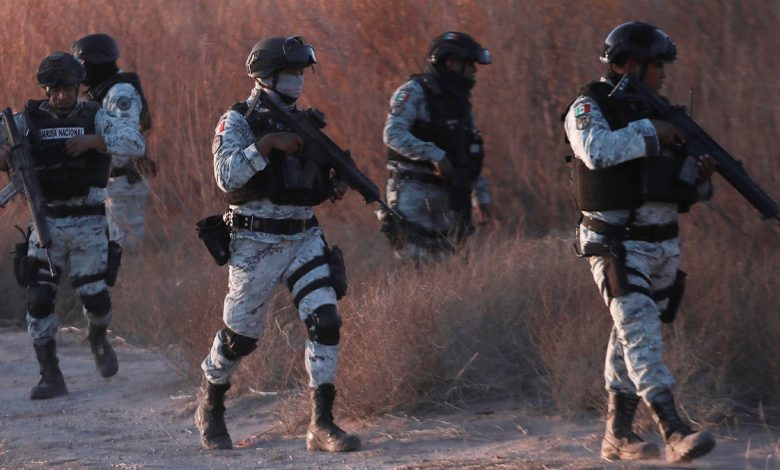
(666, 132)
(443, 168)
(482, 215)
(286, 142)
(340, 188)
(79, 144)
(706, 165)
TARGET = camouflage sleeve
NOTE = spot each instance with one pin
(406, 105)
(597, 145)
(236, 159)
(124, 101)
(121, 138)
(480, 192)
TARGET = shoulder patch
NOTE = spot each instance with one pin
(124, 103)
(583, 122)
(221, 126)
(399, 103)
(582, 109)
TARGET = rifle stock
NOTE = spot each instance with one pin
(24, 175)
(698, 142)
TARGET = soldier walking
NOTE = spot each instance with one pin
(435, 153)
(271, 188)
(121, 95)
(628, 164)
(71, 143)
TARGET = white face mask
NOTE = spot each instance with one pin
(290, 85)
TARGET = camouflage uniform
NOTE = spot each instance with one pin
(126, 196)
(80, 241)
(260, 260)
(425, 205)
(634, 362)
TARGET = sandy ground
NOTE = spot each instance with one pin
(142, 418)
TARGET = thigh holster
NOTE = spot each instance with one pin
(674, 293)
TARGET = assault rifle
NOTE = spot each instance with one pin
(24, 180)
(321, 149)
(697, 142)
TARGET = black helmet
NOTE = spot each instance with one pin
(460, 45)
(96, 49)
(60, 69)
(277, 53)
(640, 41)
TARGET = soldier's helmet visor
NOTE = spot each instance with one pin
(297, 53)
(483, 57)
(58, 78)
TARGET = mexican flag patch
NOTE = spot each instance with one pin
(582, 109)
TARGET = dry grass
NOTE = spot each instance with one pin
(519, 316)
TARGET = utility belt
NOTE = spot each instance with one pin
(644, 233)
(616, 272)
(215, 230)
(273, 226)
(75, 211)
(426, 178)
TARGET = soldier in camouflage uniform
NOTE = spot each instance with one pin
(435, 153)
(275, 238)
(71, 147)
(121, 95)
(632, 177)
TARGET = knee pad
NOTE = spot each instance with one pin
(97, 304)
(40, 300)
(235, 345)
(324, 325)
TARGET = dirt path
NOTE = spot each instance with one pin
(142, 418)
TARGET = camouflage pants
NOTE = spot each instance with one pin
(426, 207)
(125, 210)
(256, 268)
(634, 363)
(81, 242)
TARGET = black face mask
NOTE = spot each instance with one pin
(97, 73)
(453, 81)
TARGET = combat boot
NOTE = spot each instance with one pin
(620, 441)
(105, 357)
(210, 417)
(682, 443)
(323, 434)
(52, 383)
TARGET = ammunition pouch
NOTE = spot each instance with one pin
(27, 269)
(674, 293)
(215, 234)
(338, 270)
(114, 260)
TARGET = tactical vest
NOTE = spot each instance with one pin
(61, 176)
(451, 128)
(630, 184)
(98, 92)
(293, 180)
